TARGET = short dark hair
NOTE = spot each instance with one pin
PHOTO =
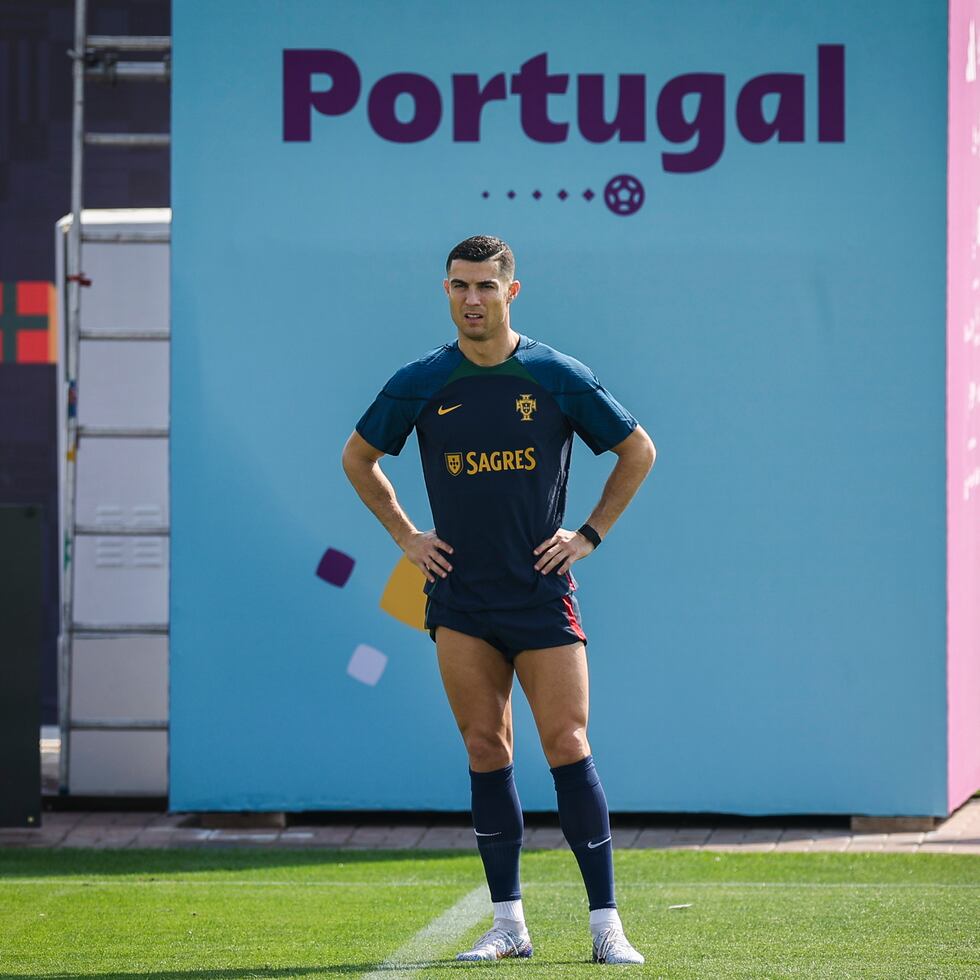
(480, 248)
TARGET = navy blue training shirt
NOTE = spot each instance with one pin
(496, 444)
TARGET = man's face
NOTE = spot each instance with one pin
(479, 298)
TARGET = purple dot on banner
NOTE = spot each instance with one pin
(536, 195)
(511, 195)
(335, 567)
(588, 195)
(562, 194)
(486, 193)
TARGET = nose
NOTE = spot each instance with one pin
(472, 296)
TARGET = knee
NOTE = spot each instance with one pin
(565, 746)
(487, 750)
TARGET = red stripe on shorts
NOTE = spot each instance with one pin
(572, 620)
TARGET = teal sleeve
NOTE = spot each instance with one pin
(392, 415)
(597, 417)
(388, 421)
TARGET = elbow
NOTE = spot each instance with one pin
(646, 451)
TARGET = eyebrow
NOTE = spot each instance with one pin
(481, 282)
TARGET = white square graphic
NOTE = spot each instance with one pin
(367, 664)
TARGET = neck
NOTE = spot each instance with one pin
(492, 351)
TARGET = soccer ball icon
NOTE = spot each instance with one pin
(624, 194)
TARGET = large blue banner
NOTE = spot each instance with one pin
(735, 215)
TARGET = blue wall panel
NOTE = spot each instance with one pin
(767, 621)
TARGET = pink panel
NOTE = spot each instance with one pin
(963, 401)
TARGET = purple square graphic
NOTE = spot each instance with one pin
(335, 567)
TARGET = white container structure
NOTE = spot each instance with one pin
(115, 515)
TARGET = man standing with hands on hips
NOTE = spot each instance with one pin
(495, 413)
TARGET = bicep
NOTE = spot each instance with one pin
(638, 442)
(359, 450)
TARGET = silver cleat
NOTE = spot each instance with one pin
(612, 946)
(498, 944)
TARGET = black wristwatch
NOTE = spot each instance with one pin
(590, 534)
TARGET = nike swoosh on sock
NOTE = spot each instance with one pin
(599, 844)
(496, 834)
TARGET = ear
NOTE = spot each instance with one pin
(445, 285)
(515, 288)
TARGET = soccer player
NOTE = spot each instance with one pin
(495, 413)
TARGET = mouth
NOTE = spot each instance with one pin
(473, 317)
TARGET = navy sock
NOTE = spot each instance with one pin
(584, 818)
(499, 825)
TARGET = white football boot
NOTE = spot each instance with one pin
(612, 946)
(499, 943)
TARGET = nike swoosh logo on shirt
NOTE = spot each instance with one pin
(497, 834)
(593, 846)
(452, 408)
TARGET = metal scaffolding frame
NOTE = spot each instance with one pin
(95, 58)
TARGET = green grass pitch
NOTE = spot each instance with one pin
(225, 914)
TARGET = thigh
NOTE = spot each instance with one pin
(556, 682)
(478, 681)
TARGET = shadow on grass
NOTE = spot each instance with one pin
(344, 969)
(41, 862)
(239, 973)
(247, 973)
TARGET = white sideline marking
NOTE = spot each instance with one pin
(432, 939)
(422, 883)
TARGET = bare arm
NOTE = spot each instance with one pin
(636, 457)
(423, 548)
(637, 454)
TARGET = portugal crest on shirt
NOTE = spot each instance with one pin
(454, 463)
(527, 406)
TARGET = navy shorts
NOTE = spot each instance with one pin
(553, 624)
